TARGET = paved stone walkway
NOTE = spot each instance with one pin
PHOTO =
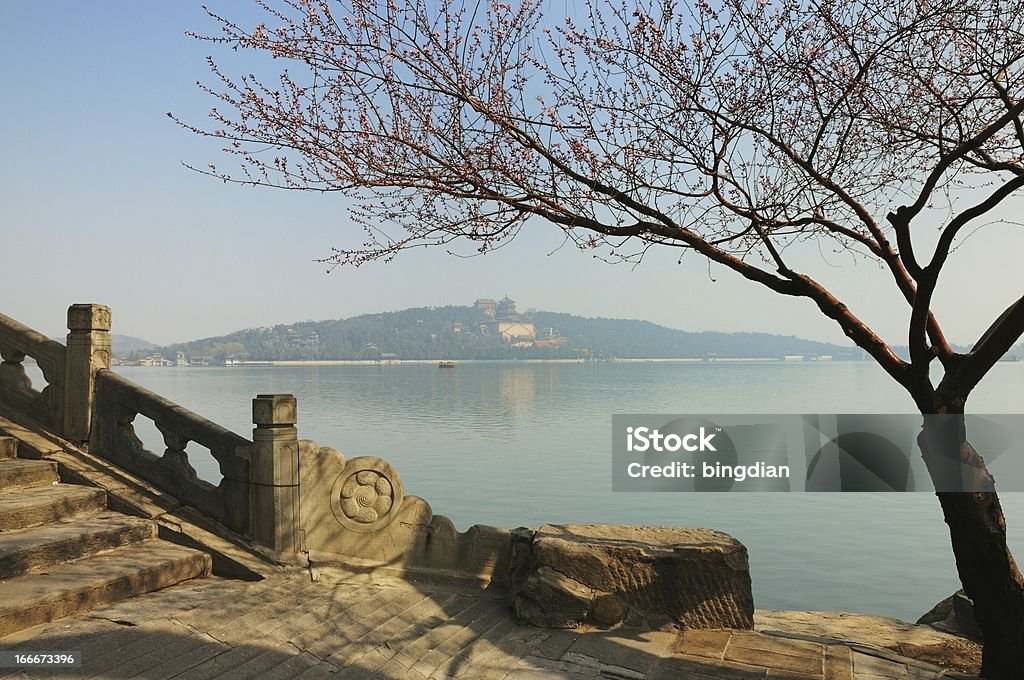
(356, 627)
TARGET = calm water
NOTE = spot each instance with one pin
(523, 444)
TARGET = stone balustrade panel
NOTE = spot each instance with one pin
(119, 402)
(17, 342)
(355, 512)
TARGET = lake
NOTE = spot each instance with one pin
(516, 444)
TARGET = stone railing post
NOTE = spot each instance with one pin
(88, 351)
(274, 473)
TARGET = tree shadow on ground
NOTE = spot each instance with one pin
(295, 628)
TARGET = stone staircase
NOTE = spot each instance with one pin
(62, 552)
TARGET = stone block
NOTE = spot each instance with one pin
(954, 615)
(88, 317)
(645, 577)
(780, 654)
(704, 643)
(963, 613)
(274, 409)
(838, 663)
(553, 600)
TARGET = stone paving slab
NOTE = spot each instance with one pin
(347, 627)
(879, 632)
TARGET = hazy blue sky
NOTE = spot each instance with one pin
(96, 207)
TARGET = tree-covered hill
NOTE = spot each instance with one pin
(455, 332)
(626, 338)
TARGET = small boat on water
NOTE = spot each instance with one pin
(446, 364)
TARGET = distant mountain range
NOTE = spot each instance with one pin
(468, 332)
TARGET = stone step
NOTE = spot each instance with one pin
(44, 546)
(108, 577)
(22, 474)
(32, 507)
(8, 448)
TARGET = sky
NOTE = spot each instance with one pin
(96, 206)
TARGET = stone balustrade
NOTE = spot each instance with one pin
(94, 407)
(294, 499)
(65, 404)
(118, 402)
(17, 342)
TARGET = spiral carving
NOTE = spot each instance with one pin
(367, 496)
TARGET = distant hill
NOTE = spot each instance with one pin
(125, 345)
(455, 332)
(1015, 353)
(626, 338)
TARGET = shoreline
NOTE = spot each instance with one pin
(399, 362)
(394, 362)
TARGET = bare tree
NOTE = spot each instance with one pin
(732, 128)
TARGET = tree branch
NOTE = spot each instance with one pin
(989, 349)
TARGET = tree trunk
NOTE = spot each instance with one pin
(977, 531)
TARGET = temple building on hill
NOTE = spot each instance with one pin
(502, 319)
(487, 307)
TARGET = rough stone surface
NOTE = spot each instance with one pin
(647, 577)
(608, 610)
(964, 622)
(41, 505)
(552, 600)
(8, 448)
(921, 642)
(954, 615)
(21, 474)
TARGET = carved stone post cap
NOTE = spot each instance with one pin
(86, 317)
(274, 409)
